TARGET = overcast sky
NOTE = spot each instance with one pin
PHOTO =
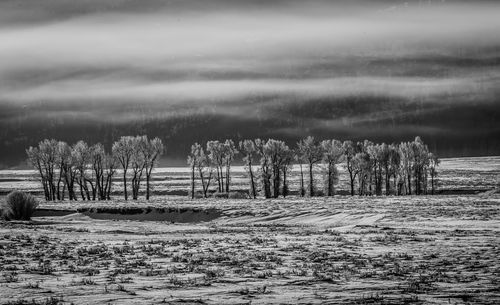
(209, 50)
(177, 55)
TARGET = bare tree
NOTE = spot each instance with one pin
(61, 152)
(81, 154)
(229, 152)
(193, 161)
(137, 163)
(298, 159)
(216, 152)
(35, 159)
(248, 149)
(69, 170)
(152, 152)
(376, 153)
(205, 170)
(276, 152)
(433, 164)
(362, 167)
(123, 150)
(394, 161)
(110, 163)
(265, 167)
(406, 156)
(332, 154)
(286, 167)
(48, 157)
(420, 163)
(97, 159)
(311, 153)
(350, 151)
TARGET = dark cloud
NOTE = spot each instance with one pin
(190, 70)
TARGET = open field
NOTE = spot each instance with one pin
(341, 250)
(415, 250)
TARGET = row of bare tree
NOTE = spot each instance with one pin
(373, 169)
(402, 169)
(61, 167)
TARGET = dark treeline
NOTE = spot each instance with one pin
(373, 169)
(87, 171)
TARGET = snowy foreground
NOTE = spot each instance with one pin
(361, 250)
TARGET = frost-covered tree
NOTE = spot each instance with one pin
(332, 155)
(48, 157)
(286, 167)
(310, 152)
(265, 167)
(277, 153)
(68, 168)
(192, 161)
(249, 151)
(433, 164)
(350, 151)
(205, 170)
(405, 168)
(35, 160)
(393, 162)
(216, 153)
(222, 155)
(152, 150)
(229, 152)
(98, 158)
(363, 166)
(122, 150)
(81, 155)
(138, 163)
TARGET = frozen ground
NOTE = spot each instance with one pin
(362, 250)
(395, 250)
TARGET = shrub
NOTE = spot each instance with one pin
(239, 195)
(19, 206)
(220, 195)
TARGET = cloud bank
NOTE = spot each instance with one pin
(125, 62)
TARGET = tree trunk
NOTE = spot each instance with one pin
(219, 188)
(330, 181)
(192, 182)
(387, 180)
(302, 191)
(276, 182)
(254, 195)
(81, 189)
(228, 177)
(147, 186)
(409, 184)
(352, 185)
(222, 179)
(432, 183)
(311, 181)
(203, 184)
(267, 184)
(45, 189)
(285, 184)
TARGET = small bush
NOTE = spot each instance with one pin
(239, 195)
(219, 195)
(19, 206)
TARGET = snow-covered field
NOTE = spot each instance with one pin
(342, 250)
(396, 250)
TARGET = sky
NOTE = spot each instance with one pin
(188, 70)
